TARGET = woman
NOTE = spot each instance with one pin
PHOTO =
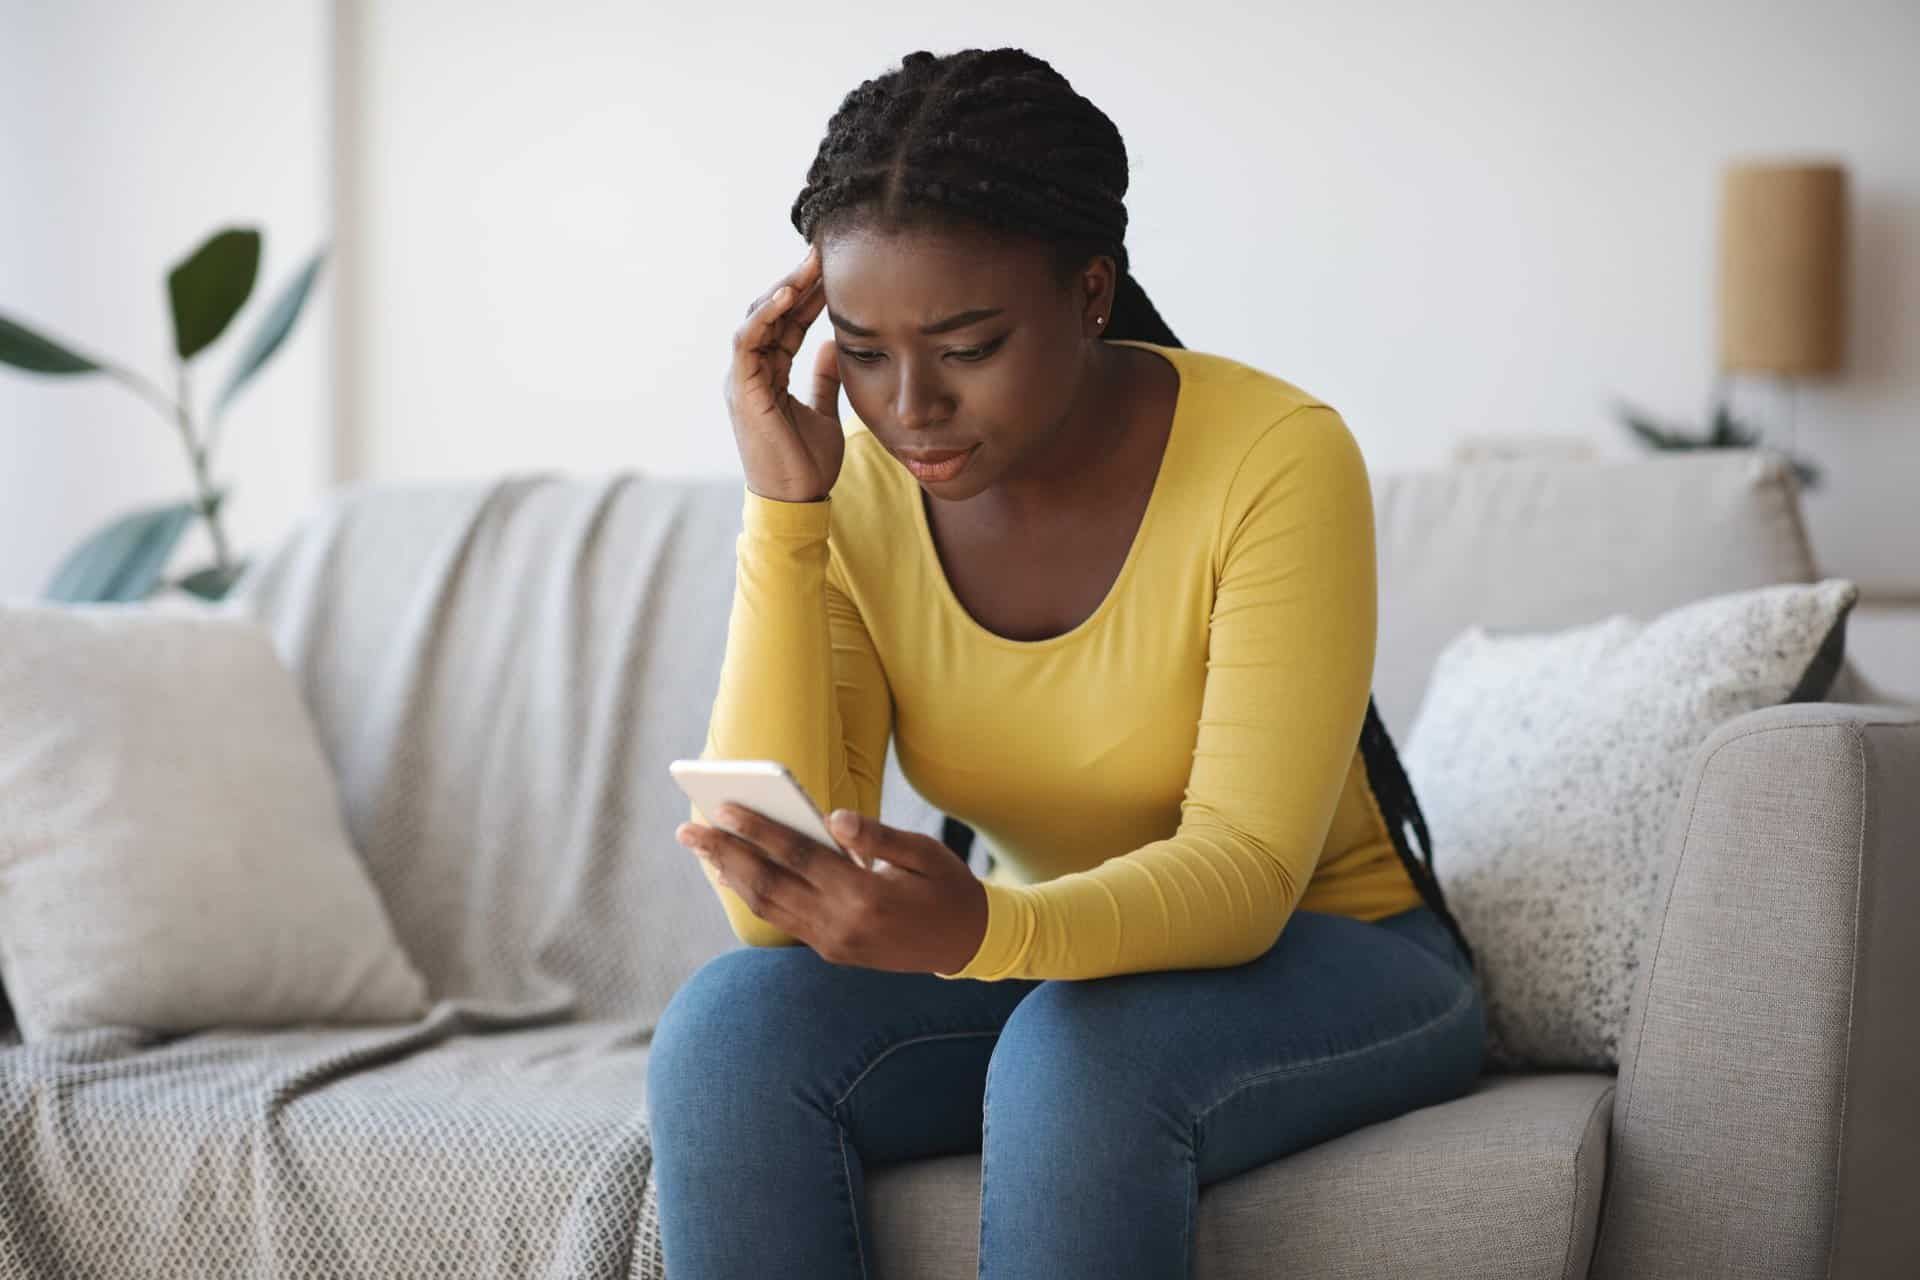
(1114, 602)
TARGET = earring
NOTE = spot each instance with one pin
(1099, 319)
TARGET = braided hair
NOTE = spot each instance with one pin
(998, 138)
(982, 137)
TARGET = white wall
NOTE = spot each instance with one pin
(1443, 218)
(129, 132)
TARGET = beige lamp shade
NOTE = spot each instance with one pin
(1783, 233)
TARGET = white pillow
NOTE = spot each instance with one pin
(1548, 763)
(172, 854)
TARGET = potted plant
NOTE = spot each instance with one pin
(127, 558)
(1724, 432)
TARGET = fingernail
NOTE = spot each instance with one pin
(844, 821)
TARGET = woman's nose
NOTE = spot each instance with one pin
(916, 400)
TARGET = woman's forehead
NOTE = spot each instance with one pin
(917, 277)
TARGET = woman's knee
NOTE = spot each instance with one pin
(744, 1011)
(1070, 1047)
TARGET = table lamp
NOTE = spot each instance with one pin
(1782, 279)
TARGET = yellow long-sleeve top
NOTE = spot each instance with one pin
(1162, 785)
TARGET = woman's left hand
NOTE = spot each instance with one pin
(922, 912)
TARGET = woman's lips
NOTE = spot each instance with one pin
(939, 466)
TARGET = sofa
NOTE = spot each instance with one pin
(500, 671)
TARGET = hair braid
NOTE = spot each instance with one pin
(994, 137)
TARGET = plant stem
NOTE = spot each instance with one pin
(142, 388)
(202, 483)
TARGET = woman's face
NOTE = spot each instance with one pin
(999, 378)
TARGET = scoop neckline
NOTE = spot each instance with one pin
(951, 599)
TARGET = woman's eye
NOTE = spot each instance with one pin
(965, 354)
(976, 353)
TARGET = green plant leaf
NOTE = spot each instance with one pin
(272, 329)
(1724, 430)
(123, 560)
(210, 582)
(1650, 431)
(209, 288)
(22, 348)
(1652, 434)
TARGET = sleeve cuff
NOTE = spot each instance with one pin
(1008, 928)
(785, 519)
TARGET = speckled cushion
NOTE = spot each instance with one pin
(1548, 763)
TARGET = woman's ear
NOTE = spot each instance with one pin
(1098, 282)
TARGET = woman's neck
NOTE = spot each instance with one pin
(1090, 448)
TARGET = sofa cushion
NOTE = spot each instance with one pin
(1505, 1181)
(171, 851)
(1538, 545)
(1550, 763)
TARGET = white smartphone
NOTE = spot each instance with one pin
(765, 787)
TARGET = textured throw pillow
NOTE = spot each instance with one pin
(172, 854)
(1548, 764)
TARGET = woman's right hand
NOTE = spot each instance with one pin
(791, 452)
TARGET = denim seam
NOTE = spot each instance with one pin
(1460, 1005)
(853, 1209)
(889, 1050)
(846, 1170)
(986, 1121)
(1193, 1205)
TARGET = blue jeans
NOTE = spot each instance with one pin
(1100, 1106)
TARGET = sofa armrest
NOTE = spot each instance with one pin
(1764, 1121)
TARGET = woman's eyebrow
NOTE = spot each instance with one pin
(960, 321)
